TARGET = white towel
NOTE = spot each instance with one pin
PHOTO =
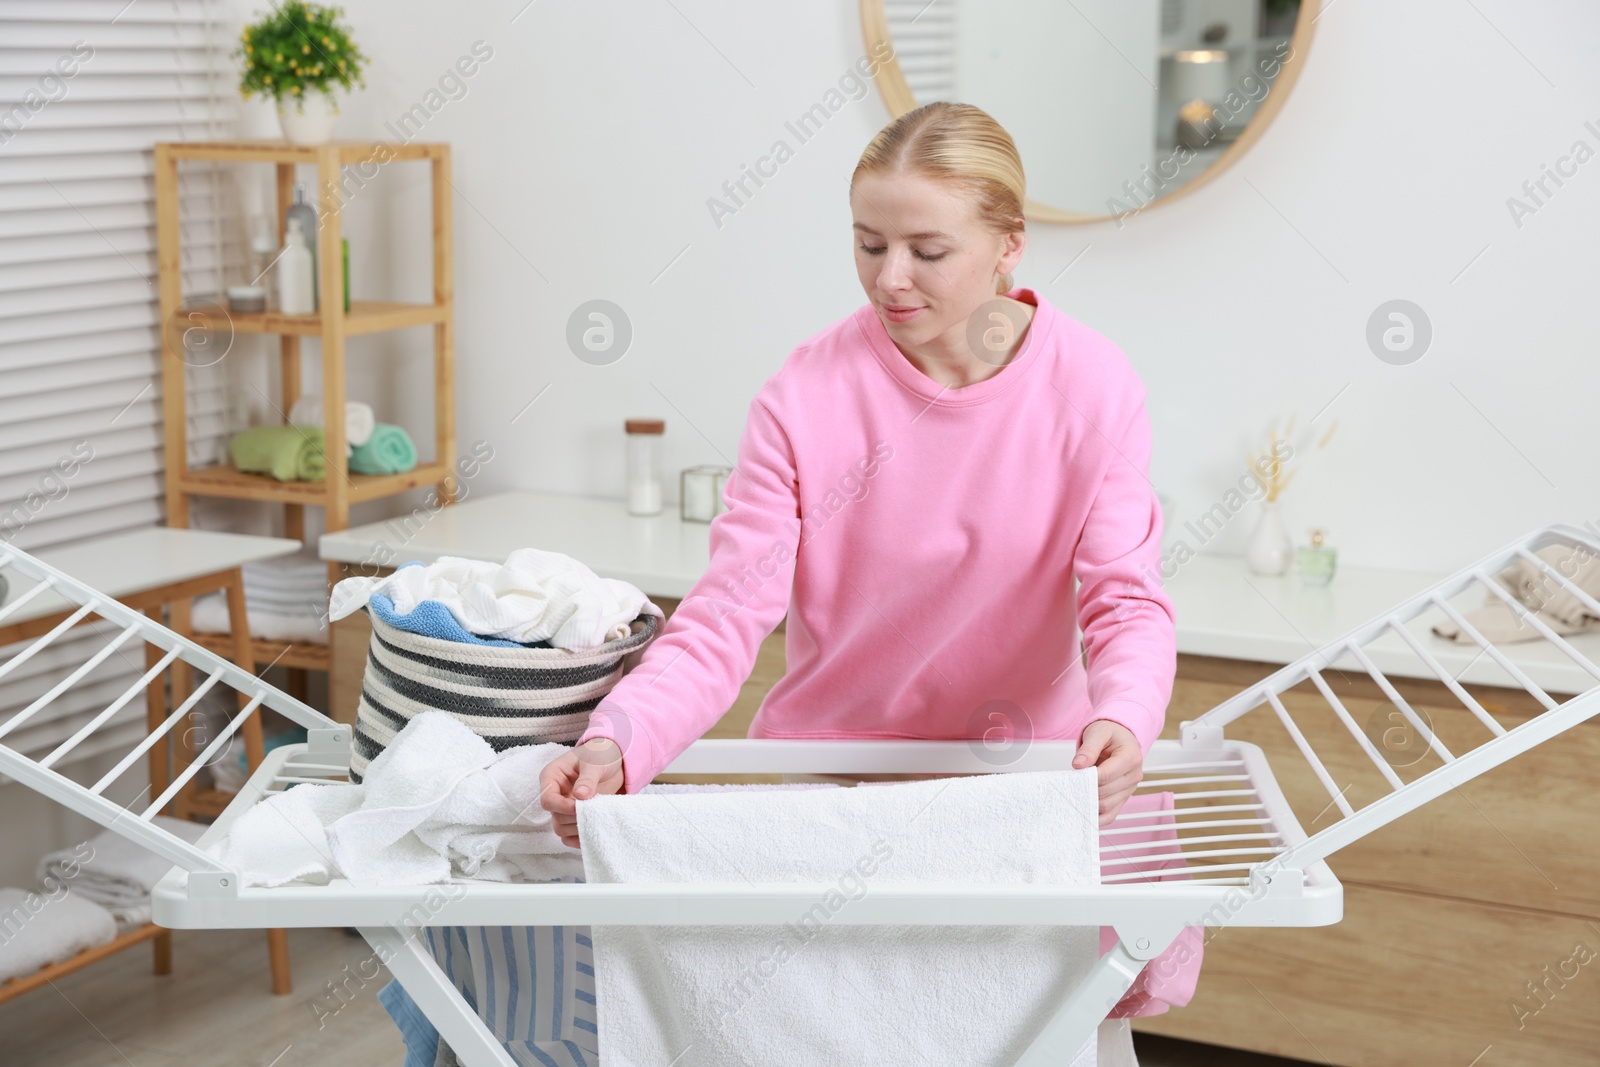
(114, 872)
(358, 418)
(807, 993)
(38, 928)
(534, 596)
(210, 616)
(437, 802)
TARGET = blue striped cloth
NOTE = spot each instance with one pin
(533, 987)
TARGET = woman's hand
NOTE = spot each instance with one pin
(590, 769)
(1112, 748)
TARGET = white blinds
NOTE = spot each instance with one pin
(86, 89)
(924, 36)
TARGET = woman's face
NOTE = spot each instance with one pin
(925, 260)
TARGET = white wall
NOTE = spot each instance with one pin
(590, 142)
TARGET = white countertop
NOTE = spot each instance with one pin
(661, 554)
(1222, 609)
(122, 564)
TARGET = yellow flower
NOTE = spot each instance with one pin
(267, 78)
(327, 42)
(295, 90)
(306, 49)
(278, 58)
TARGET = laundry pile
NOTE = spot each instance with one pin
(436, 803)
(286, 599)
(87, 896)
(1540, 595)
(535, 598)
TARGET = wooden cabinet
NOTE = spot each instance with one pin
(1450, 912)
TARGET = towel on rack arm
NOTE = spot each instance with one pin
(808, 992)
(1544, 597)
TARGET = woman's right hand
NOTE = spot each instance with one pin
(590, 769)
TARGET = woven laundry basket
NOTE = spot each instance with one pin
(507, 696)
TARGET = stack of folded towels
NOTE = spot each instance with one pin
(534, 599)
(286, 599)
(88, 895)
(295, 452)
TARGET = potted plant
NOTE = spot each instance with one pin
(298, 54)
(1270, 550)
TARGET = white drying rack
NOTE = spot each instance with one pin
(1253, 865)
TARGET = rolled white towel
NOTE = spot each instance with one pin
(41, 927)
(358, 418)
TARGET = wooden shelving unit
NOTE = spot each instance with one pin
(339, 489)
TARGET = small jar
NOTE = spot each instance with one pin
(644, 465)
(1316, 562)
(700, 493)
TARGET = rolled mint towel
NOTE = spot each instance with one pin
(288, 453)
(388, 451)
(358, 418)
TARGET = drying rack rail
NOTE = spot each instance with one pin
(1240, 855)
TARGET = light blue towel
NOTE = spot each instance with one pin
(431, 618)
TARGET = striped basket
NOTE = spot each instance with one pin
(508, 696)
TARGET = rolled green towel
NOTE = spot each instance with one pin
(288, 453)
(389, 450)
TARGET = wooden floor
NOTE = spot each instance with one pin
(216, 1009)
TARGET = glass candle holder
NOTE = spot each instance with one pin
(700, 492)
(1316, 561)
(644, 465)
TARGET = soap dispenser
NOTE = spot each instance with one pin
(302, 210)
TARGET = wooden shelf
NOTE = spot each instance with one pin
(364, 316)
(25, 982)
(299, 655)
(204, 803)
(281, 151)
(239, 485)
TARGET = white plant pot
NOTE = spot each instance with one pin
(308, 118)
(1270, 549)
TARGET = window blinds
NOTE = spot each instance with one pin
(86, 89)
(924, 36)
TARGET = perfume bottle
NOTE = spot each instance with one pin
(1316, 561)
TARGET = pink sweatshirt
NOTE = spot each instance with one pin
(924, 542)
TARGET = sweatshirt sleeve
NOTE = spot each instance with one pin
(1124, 613)
(691, 674)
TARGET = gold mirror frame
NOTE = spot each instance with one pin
(897, 96)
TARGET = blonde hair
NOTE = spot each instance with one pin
(962, 145)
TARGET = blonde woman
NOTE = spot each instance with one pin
(918, 486)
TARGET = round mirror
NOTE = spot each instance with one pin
(1115, 105)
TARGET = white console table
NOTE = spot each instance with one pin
(1222, 609)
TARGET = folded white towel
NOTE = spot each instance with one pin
(437, 802)
(114, 872)
(39, 927)
(809, 992)
(358, 418)
(210, 616)
(534, 596)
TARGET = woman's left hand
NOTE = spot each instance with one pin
(1112, 748)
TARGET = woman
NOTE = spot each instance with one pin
(918, 486)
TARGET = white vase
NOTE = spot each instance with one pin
(1270, 549)
(308, 118)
